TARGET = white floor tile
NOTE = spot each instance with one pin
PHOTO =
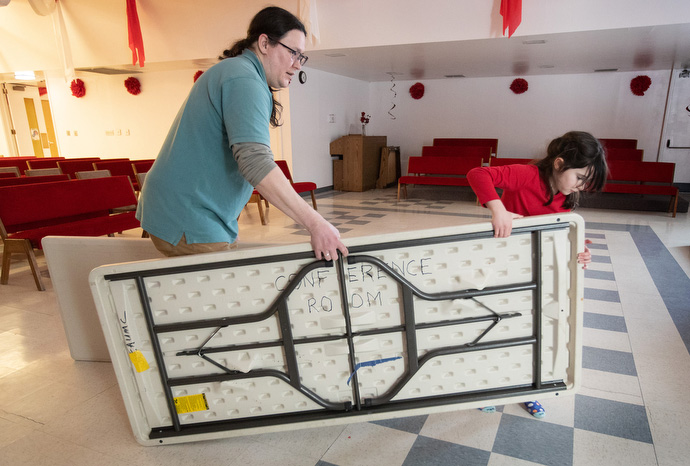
(471, 428)
(593, 449)
(606, 339)
(608, 382)
(366, 444)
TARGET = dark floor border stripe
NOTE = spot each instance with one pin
(669, 277)
(411, 210)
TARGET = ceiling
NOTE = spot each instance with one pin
(626, 49)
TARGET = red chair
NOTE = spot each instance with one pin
(500, 161)
(7, 172)
(118, 167)
(142, 166)
(617, 143)
(31, 180)
(71, 166)
(258, 198)
(38, 163)
(301, 186)
(19, 162)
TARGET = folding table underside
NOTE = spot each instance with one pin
(251, 341)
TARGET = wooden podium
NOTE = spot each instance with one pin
(357, 167)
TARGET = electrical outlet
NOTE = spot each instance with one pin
(331, 117)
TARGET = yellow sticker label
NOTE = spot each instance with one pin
(139, 361)
(191, 403)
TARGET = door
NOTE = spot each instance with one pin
(33, 127)
(48, 116)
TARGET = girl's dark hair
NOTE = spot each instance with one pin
(577, 149)
(275, 22)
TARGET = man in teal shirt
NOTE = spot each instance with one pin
(218, 148)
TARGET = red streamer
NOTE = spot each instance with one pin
(511, 10)
(136, 42)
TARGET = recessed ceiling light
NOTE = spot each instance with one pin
(25, 75)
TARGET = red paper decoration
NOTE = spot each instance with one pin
(417, 91)
(640, 84)
(42, 91)
(78, 88)
(197, 74)
(133, 85)
(519, 86)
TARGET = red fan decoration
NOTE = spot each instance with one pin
(78, 88)
(519, 86)
(640, 84)
(197, 74)
(133, 85)
(417, 91)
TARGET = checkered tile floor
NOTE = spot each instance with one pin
(632, 407)
(609, 412)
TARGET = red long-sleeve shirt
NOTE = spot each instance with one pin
(524, 192)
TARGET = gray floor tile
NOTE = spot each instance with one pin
(604, 322)
(534, 440)
(599, 275)
(606, 360)
(612, 418)
(411, 424)
(431, 452)
(602, 295)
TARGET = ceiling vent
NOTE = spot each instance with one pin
(454, 76)
(605, 70)
(110, 71)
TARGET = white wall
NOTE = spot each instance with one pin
(600, 103)
(108, 107)
(310, 105)
(677, 127)
(483, 107)
(524, 124)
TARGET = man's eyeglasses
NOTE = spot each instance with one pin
(300, 57)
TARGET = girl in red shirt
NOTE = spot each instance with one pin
(574, 162)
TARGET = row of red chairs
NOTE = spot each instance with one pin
(69, 167)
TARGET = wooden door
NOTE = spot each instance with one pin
(50, 128)
(33, 127)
